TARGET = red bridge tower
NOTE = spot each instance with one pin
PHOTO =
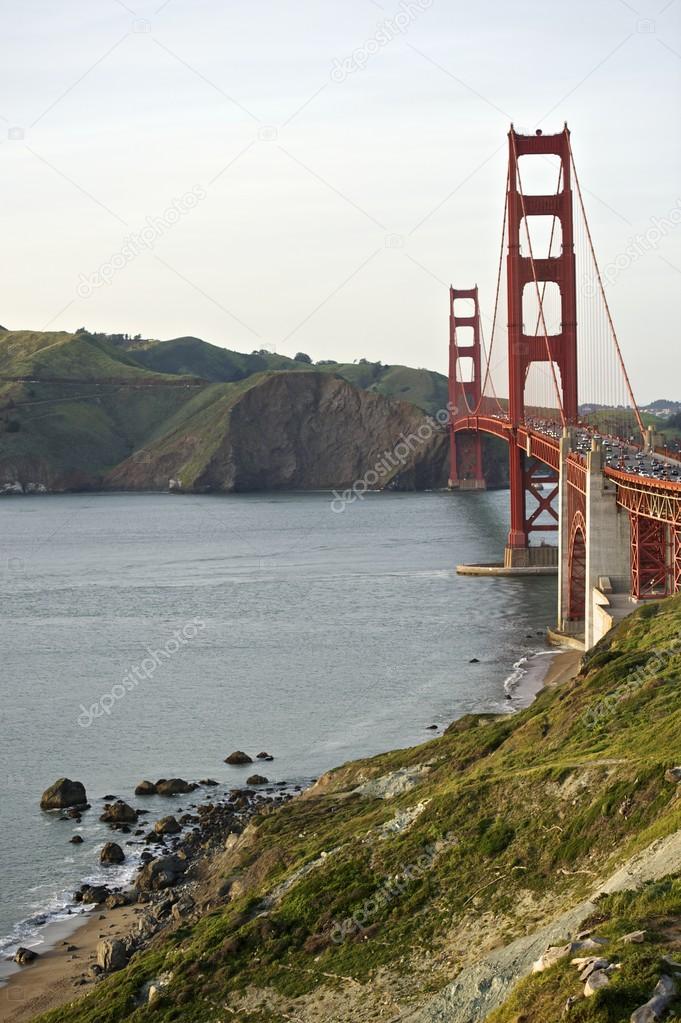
(559, 350)
(465, 391)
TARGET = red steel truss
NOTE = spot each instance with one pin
(655, 516)
(535, 479)
(649, 566)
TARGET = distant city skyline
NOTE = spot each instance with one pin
(313, 177)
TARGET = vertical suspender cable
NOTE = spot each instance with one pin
(605, 301)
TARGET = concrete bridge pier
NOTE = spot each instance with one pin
(607, 544)
(564, 624)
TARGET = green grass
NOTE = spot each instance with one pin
(190, 355)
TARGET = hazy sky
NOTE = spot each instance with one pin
(343, 171)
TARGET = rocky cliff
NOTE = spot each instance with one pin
(293, 431)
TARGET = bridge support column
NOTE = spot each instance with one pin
(608, 538)
(517, 536)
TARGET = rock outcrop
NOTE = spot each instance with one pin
(295, 431)
(161, 873)
(111, 955)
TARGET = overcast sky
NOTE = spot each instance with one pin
(342, 171)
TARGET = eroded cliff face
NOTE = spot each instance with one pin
(295, 431)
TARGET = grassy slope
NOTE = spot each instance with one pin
(196, 357)
(56, 354)
(108, 407)
(523, 811)
(423, 387)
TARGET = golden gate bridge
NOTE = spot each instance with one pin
(551, 381)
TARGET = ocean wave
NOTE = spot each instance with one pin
(61, 905)
(526, 666)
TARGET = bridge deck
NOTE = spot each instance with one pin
(643, 494)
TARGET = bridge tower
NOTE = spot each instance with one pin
(524, 272)
(465, 390)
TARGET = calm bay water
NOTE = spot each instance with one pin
(321, 637)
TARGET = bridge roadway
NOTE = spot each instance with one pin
(544, 445)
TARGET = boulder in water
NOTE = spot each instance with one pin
(167, 826)
(238, 758)
(173, 786)
(111, 853)
(145, 788)
(118, 813)
(62, 794)
(24, 956)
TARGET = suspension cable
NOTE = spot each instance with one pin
(496, 305)
(634, 404)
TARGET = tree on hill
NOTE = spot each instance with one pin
(302, 357)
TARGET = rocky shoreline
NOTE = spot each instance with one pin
(173, 884)
(176, 851)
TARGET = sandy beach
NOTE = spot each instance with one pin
(563, 666)
(55, 978)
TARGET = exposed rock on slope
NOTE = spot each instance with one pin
(294, 431)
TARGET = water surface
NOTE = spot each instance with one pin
(277, 624)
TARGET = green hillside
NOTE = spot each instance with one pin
(191, 355)
(73, 407)
(59, 355)
(436, 874)
(198, 358)
(423, 387)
